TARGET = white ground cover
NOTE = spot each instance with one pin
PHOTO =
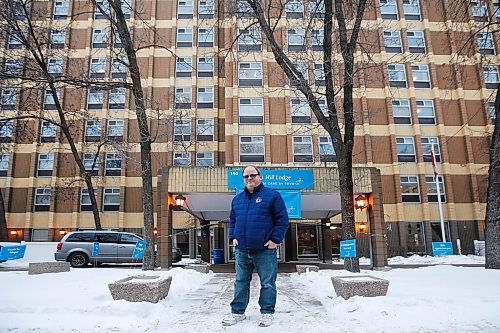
(441, 298)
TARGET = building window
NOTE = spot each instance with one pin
(249, 74)
(326, 150)
(183, 67)
(410, 191)
(485, 43)
(8, 99)
(204, 129)
(97, 68)
(251, 110)
(411, 10)
(91, 163)
(55, 67)
(496, 10)
(206, 9)
(6, 128)
(42, 199)
(13, 67)
(119, 68)
(416, 41)
(319, 75)
(183, 98)
(437, 235)
(47, 132)
(182, 159)
(115, 130)
(303, 68)
(205, 37)
(126, 8)
(406, 149)
(430, 144)
(392, 41)
(92, 131)
(324, 107)
(425, 112)
(205, 159)
(111, 199)
(243, 9)
(184, 37)
(117, 42)
(389, 9)
(421, 76)
(479, 11)
(250, 39)
(252, 149)
(317, 8)
(101, 6)
(300, 111)
(491, 111)
(57, 39)
(296, 40)
(302, 149)
(95, 99)
(48, 99)
(15, 41)
(4, 164)
(45, 165)
(294, 9)
(100, 38)
(85, 204)
(318, 36)
(397, 75)
(61, 9)
(113, 164)
(205, 67)
(185, 9)
(182, 130)
(490, 75)
(432, 189)
(401, 111)
(205, 98)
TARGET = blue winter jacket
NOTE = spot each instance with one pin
(258, 217)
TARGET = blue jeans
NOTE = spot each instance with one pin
(266, 265)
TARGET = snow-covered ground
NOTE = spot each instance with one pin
(441, 298)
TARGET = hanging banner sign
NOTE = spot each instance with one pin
(12, 252)
(140, 246)
(276, 179)
(348, 248)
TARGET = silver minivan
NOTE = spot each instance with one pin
(114, 247)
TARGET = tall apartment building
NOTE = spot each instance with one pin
(220, 108)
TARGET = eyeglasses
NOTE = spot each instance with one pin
(252, 175)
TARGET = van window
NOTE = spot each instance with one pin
(107, 238)
(81, 237)
(128, 239)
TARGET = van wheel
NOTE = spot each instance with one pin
(78, 260)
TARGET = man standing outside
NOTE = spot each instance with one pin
(257, 224)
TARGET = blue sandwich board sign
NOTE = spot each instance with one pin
(140, 246)
(276, 179)
(95, 249)
(348, 248)
(442, 248)
(12, 252)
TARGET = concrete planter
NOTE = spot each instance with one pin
(48, 267)
(140, 288)
(199, 268)
(359, 285)
(306, 268)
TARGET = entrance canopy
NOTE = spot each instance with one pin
(216, 206)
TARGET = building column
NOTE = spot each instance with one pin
(192, 243)
(326, 240)
(377, 222)
(205, 241)
(164, 223)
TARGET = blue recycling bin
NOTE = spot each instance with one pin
(217, 256)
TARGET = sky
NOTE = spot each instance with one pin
(438, 298)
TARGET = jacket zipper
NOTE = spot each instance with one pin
(249, 198)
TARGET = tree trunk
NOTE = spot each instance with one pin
(4, 237)
(492, 232)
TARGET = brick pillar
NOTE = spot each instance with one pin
(377, 222)
(164, 224)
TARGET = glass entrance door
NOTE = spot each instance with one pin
(307, 241)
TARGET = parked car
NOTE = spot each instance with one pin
(114, 247)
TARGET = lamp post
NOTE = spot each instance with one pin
(361, 202)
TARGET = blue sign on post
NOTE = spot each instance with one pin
(95, 249)
(277, 179)
(12, 252)
(140, 246)
(442, 248)
(348, 248)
